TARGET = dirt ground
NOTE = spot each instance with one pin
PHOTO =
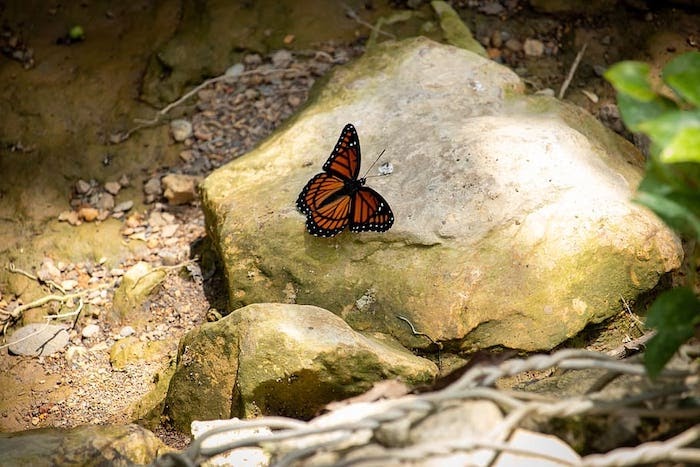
(80, 384)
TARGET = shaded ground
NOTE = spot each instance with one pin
(100, 80)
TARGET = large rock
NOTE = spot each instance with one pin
(514, 224)
(280, 359)
(85, 445)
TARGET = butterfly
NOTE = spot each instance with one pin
(335, 198)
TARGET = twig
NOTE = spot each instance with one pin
(574, 66)
(354, 16)
(15, 314)
(46, 325)
(416, 333)
(635, 345)
(51, 283)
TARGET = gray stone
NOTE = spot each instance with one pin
(85, 445)
(38, 340)
(180, 129)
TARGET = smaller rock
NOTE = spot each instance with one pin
(116, 272)
(156, 219)
(282, 58)
(123, 206)
(153, 187)
(514, 44)
(533, 47)
(69, 216)
(593, 97)
(88, 214)
(105, 202)
(90, 331)
(491, 8)
(549, 92)
(127, 331)
(235, 70)
(124, 181)
(180, 129)
(169, 230)
(69, 284)
(188, 156)
(252, 59)
(38, 339)
(496, 39)
(113, 187)
(169, 257)
(48, 271)
(179, 189)
(82, 187)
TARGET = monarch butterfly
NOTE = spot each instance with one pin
(336, 198)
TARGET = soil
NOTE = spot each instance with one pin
(80, 385)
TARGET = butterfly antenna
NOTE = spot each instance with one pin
(375, 161)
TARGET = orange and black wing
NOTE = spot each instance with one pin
(344, 161)
(326, 208)
(370, 211)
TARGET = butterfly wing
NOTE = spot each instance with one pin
(370, 211)
(344, 161)
(335, 198)
(327, 210)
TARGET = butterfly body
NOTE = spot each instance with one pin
(336, 198)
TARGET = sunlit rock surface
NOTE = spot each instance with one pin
(514, 224)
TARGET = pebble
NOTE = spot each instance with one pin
(181, 129)
(252, 59)
(492, 8)
(157, 219)
(549, 92)
(88, 214)
(105, 202)
(514, 44)
(235, 70)
(169, 230)
(178, 188)
(169, 257)
(123, 206)
(69, 216)
(69, 284)
(590, 95)
(188, 156)
(533, 47)
(48, 271)
(113, 187)
(124, 181)
(82, 187)
(116, 272)
(152, 186)
(282, 58)
(496, 39)
(126, 331)
(90, 330)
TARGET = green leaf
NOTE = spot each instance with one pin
(635, 113)
(682, 74)
(631, 78)
(664, 129)
(684, 147)
(674, 315)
